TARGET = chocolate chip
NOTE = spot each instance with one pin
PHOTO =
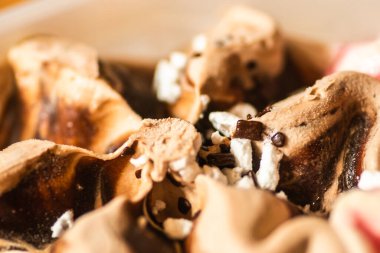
(221, 160)
(266, 110)
(278, 139)
(251, 65)
(184, 205)
(138, 174)
(249, 129)
(195, 55)
(249, 116)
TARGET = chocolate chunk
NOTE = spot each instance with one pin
(138, 174)
(278, 139)
(221, 160)
(249, 116)
(184, 205)
(266, 110)
(249, 129)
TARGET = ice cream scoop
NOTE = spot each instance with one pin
(331, 132)
(63, 97)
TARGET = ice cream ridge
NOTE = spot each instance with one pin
(230, 145)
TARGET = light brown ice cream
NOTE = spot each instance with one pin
(40, 180)
(236, 220)
(331, 134)
(245, 44)
(113, 228)
(63, 97)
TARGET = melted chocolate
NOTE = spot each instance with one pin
(50, 189)
(135, 85)
(306, 176)
(70, 125)
(354, 152)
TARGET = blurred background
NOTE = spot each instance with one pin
(146, 30)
